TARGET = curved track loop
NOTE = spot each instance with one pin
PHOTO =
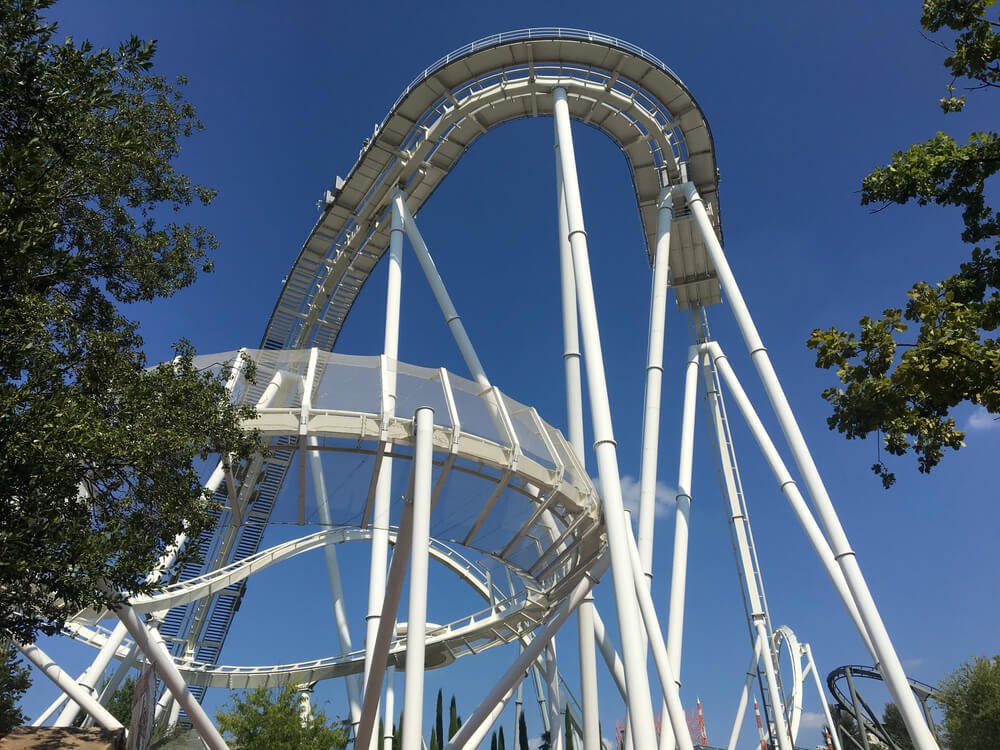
(509, 617)
(793, 699)
(869, 718)
(611, 85)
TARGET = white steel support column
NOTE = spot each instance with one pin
(92, 674)
(390, 707)
(480, 734)
(368, 728)
(451, 316)
(678, 574)
(788, 487)
(611, 659)
(69, 686)
(822, 697)
(888, 661)
(531, 651)
(771, 677)
(661, 657)
(383, 488)
(54, 706)
(574, 418)
(639, 703)
(654, 378)
(352, 682)
(416, 621)
(115, 682)
(741, 709)
(151, 644)
(555, 699)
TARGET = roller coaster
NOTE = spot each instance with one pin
(850, 702)
(435, 466)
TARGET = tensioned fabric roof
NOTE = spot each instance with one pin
(612, 85)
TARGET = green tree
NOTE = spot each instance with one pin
(439, 716)
(903, 385)
(98, 454)
(522, 732)
(567, 731)
(501, 742)
(15, 679)
(892, 722)
(454, 720)
(264, 719)
(120, 702)
(846, 727)
(970, 697)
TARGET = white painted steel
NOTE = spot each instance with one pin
(92, 674)
(770, 674)
(574, 418)
(451, 316)
(367, 729)
(69, 686)
(151, 644)
(793, 698)
(682, 519)
(640, 705)
(390, 707)
(651, 416)
(611, 658)
(788, 486)
(741, 707)
(888, 661)
(528, 655)
(661, 658)
(821, 693)
(484, 727)
(416, 622)
(504, 77)
(352, 684)
(54, 706)
(380, 514)
(555, 698)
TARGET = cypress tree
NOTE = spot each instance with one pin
(522, 734)
(439, 718)
(454, 720)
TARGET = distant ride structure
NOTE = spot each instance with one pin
(436, 466)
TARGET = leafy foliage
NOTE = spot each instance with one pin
(97, 453)
(905, 391)
(120, 702)
(15, 679)
(970, 697)
(522, 732)
(262, 719)
(892, 722)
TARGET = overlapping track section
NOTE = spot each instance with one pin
(611, 85)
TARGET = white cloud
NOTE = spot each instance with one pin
(813, 720)
(665, 497)
(913, 663)
(981, 419)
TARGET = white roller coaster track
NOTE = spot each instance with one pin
(565, 535)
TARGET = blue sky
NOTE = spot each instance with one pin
(803, 99)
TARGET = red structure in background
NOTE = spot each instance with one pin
(695, 721)
(696, 724)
